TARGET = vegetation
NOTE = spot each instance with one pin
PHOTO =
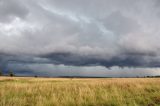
(1, 73)
(35, 76)
(79, 92)
(11, 74)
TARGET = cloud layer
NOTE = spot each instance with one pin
(80, 33)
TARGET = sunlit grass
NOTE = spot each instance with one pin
(79, 92)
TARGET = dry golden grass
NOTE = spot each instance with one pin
(79, 92)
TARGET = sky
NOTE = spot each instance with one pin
(103, 38)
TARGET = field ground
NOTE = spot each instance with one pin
(79, 92)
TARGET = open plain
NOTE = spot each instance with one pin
(21, 91)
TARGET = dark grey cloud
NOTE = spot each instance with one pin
(106, 33)
(124, 60)
(93, 71)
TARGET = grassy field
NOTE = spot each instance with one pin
(79, 92)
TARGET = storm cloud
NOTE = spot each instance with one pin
(80, 33)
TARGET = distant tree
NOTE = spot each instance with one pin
(35, 76)
(11, 74)
(1, 73)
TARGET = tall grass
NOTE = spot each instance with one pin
(79, 92)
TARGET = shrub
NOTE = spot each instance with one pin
(1, 73)
(11, 74)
